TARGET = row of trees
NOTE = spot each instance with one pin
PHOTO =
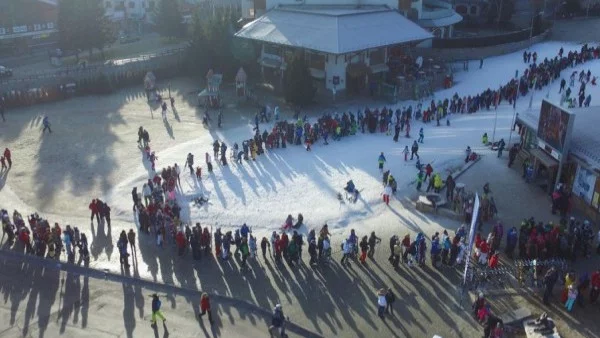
(82, 25)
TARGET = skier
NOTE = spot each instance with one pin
(156, 310)
(46, 124)
(414, 150)
(223, 153)
(95, 209)
(501, 145)
(381, 161)
(216, 147)
(405, 152)
(419, 180)
(153, 159)
(172, 99)
(7, 157)
(189, 162)
(205, 308)
(277, 321)
(164, 111)
(421, 135)
(563, 83)
(209, 163)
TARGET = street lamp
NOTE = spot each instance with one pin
(531, 29)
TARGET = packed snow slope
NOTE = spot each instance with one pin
(93, 153)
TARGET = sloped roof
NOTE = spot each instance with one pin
(585, 139)
(441, 21)
(333, 29)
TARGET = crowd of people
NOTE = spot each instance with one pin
(157, 210)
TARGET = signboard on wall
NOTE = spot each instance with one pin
(584, 184)
(554, 127)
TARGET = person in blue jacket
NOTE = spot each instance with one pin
(244, 231)
(156, 310)
(381, 161)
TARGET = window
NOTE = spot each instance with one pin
(50, 25)
(316, 61)
(37, 27)
(19, 29)
(377, 57)
(131, 4)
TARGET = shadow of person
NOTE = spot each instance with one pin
(175, 114)
(169, 128)
(166, 333)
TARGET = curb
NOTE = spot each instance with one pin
(167, 288)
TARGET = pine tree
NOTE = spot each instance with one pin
(168, 19)
(68, 25)
(83, 25)
(298, 83)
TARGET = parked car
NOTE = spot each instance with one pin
(5, 72)
(123, 39)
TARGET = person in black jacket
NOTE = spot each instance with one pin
(390, 298)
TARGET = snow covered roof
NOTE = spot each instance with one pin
(441, 21)
(333, 29)
(585, 140)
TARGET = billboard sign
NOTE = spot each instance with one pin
(554, 127)
(584, 184)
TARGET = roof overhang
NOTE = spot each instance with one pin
(444, 21)
(334, 29)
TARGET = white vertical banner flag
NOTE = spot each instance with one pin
(471, 237)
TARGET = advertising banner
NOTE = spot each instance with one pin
(584, 184)
(471, 238)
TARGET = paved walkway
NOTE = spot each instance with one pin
(517, 200)
(47, 302)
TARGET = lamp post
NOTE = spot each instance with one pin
(531, 29)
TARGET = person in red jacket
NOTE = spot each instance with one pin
(205, 308)
(7, 156)
(595, 290)
(181, 242)
(95, 209)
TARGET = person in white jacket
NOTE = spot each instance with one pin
(347, 250)
(387, 191)
(147, 192)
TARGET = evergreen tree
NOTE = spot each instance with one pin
(168, 19)
(69, 32)
(83, 25)
(96, 29)
(298, 83)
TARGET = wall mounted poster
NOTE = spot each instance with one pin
(584, 184)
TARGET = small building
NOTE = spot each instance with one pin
(581, 169)
(344, 46)
(27, 23)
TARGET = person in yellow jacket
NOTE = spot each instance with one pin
(484, 139)
(437, 183)
(253, 150)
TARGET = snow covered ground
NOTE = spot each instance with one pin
(93, 154)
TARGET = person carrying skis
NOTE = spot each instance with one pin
(381, 160)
